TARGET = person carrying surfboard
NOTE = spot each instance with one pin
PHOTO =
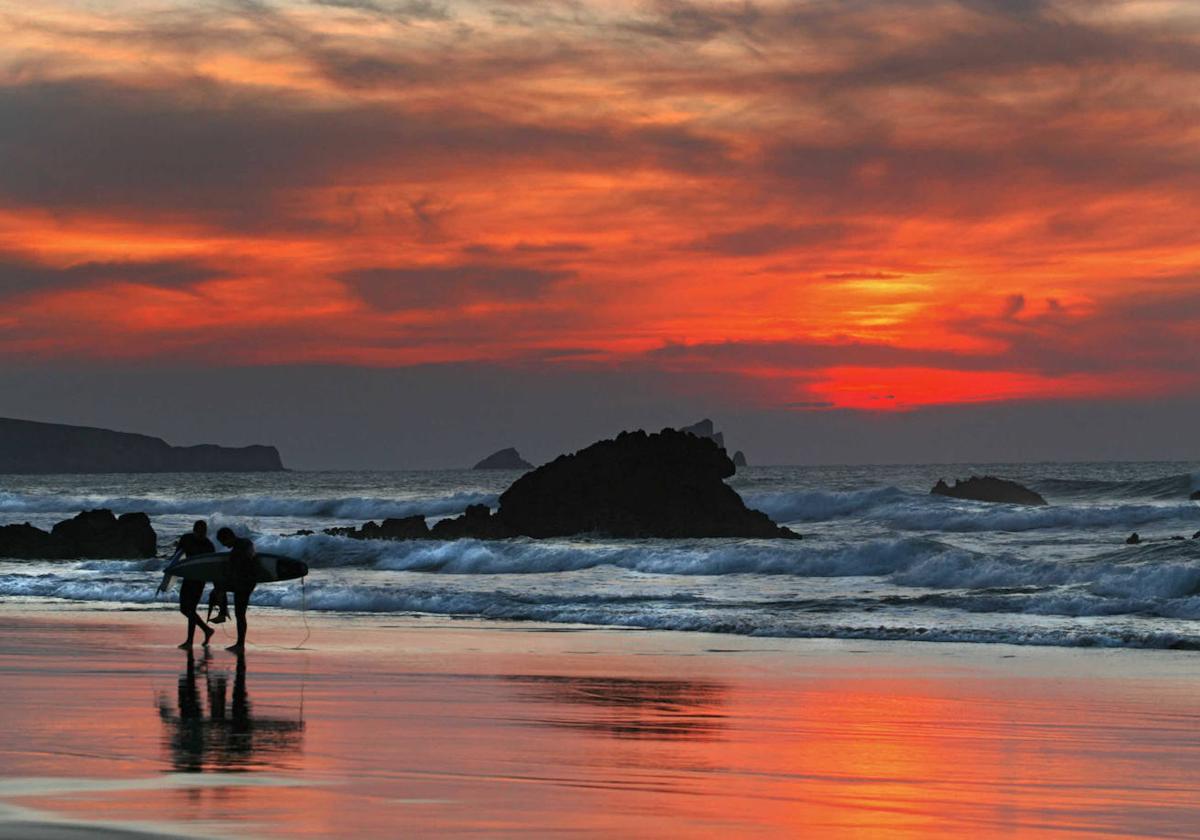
(189, 545)
(244, 577)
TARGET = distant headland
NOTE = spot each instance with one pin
(31, 447)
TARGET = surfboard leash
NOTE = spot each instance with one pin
(304, 612)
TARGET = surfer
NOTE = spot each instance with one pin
(189, 545)
(244, 578)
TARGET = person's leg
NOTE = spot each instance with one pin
(241, 600)
(218, 600)
(189, 598)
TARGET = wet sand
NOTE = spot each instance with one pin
(384, 727)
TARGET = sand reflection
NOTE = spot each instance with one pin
(222, 732)
(630, 708)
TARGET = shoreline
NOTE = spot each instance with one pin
(469, 726)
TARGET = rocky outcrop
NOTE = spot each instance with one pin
(1195, 497)
(91, 534)
(669, 484)
(405, 528)
(505, 459)
(29, 447)
(989, 489)
(477, 523)
(706, 429)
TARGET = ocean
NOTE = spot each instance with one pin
(880, 558)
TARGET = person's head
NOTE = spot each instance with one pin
(200, 528)
(225, 536)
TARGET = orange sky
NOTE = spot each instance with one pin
(881, 205)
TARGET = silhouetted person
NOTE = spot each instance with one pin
(243, 578)
(189, 545)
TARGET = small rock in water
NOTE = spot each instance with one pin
(988, 489)
(1133, 539)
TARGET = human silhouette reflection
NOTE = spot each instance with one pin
(228, 735)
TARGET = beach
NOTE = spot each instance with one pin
(382, 726)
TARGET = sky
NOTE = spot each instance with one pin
(403, 233)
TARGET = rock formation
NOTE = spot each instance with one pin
(478, 523)
(92, 534)
(988, 489)
(668, 484)
(505, 459)
(1195, 497)
(407, 528)
(29, 447)
(706, 429)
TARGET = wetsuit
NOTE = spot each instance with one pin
(190, 590)
(244, 577)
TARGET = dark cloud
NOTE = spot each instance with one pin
(801, 356)
(435, 287)
(19, 276)
(765, 239)
(680, 20)
(404, 11)
(481, 249)
(191, 148)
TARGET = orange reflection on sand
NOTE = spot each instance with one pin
(503, 731)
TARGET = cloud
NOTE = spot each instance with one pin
(768, 238)
(434, 287)
(19, 276)
(482, 249)
(228, 157)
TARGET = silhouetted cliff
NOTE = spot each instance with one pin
(29, 447)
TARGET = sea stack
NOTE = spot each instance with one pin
(505, 459)
(707, 429)
(669, 484)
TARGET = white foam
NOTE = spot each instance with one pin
(354, 507)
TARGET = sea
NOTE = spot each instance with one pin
(880, 557)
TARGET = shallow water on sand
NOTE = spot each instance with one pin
(389, 727)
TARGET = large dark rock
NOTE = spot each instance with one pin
(29, 447)
(988, 489)
(1195, 497)
(505, 459)
(406, 528)
(93, 533)
(668, 484)
(477, 523)
(739, 459)
(30, 543)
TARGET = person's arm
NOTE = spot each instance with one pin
(166, 579)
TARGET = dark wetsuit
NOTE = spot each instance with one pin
(191, 590)
(244, 577)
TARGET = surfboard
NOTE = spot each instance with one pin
(214, 568)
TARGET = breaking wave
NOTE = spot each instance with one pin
(355, 508)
